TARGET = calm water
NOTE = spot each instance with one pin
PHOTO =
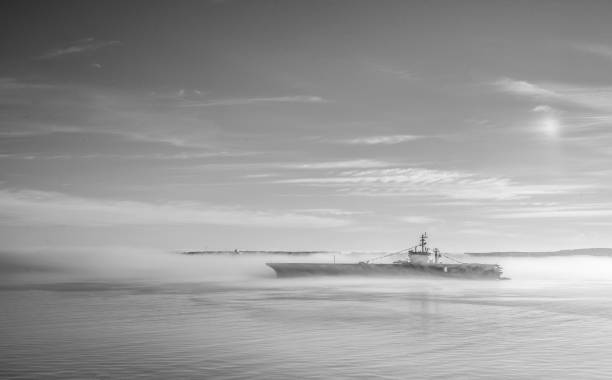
(229, 318)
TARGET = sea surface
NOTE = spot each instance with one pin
(169, 316)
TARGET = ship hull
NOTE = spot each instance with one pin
(472, 271)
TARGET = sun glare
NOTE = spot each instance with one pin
(550, 126)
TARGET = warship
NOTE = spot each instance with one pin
(422, 261)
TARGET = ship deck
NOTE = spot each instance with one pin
(467, 270)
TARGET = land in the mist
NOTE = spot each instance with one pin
(563, 252)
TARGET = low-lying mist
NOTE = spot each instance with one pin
(126, 264)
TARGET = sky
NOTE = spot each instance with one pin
(298, 125)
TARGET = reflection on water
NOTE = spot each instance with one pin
(229, 318)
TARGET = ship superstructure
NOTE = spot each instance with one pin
(421, 254)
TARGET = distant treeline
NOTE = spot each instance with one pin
(253, 252)
(564, 252)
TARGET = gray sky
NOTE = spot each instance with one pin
(306, 125)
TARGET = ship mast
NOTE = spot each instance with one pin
(424, 242)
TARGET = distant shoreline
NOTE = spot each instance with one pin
(606, 252)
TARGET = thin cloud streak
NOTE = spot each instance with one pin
(39, 208)
(258, 100)
(182, 156)
(329, 212)
(520, 87)
(547, 212)
(422, 181)
(398, 73)
(123, 134)
(381, 140)
(78, 47)
(358, 164)
(601, 50)
(416, 219)
(8, 84)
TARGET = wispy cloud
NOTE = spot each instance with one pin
(596, 98)
(398, 73)
(27, 207)
(601, 50)
(123, 134)
(428, 182)
(329, 211)
(156, 138)
(260, 175)
(557, 211)
(258, 100)
(381, 140)
(78, 47)
(181, 96)
(11, 84)
(363, 164)
(183, 156)
(416, 219)
(56, 109)
(521, 87)
(486, 232)
(392, 175)
(582, 114)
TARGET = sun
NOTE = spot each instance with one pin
(550, 126)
